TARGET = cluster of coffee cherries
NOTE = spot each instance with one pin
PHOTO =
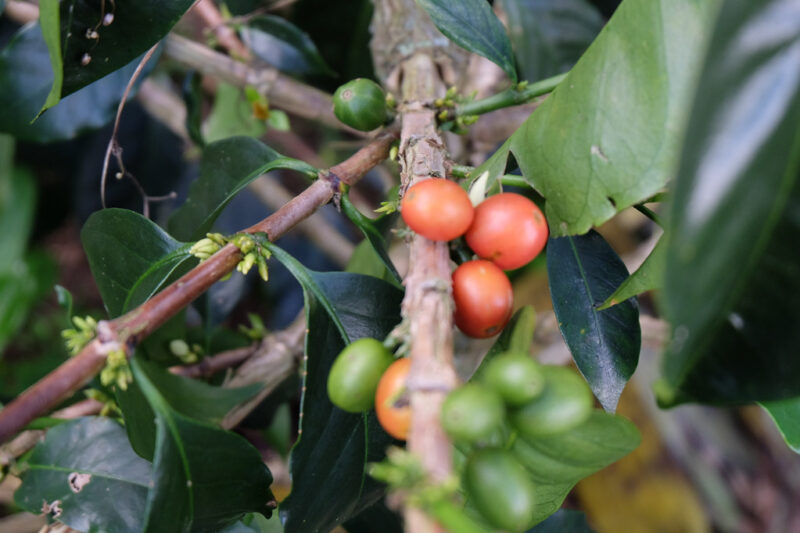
(512, 396)
(506, 231)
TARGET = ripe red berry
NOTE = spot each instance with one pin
(508, 229)
(483, 297)
(438, 209)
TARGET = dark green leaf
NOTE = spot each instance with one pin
(26, 78)
(583, 271)
(549, 36)
(373, 235)
(280, 43)
(231, 115)
(557, 463)
(732, 284)
(365, 260)
(64, 298)
(205, 478)
(193, 98)
(227, 167)
(608, 136)
(564, 521)
(375, 519)
(649, 276)
(131, 257)
(135, 28)
(115, 495)
(189, 397)
(786, 414)
(329, 461)
(472, 25)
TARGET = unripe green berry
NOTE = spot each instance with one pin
(361, 104)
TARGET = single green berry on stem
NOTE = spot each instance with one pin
(516, 377)
(472, 413)
(354, 376)
(361, 104)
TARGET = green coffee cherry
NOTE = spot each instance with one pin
(501, 489)
(355, 373)
(565, 403)
(472, 413)
(361, 104)
(516, 377)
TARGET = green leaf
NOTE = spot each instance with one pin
(549, 36)
(564, 521)
(227, 167)
(17, 202)
(732, 284)
(189, 397)
(786, 415)
(608, 136)
(131, 257)
(472, 25)
(283, 45)
(26, 77)
(22, 285)
(328, 463)
(50, 21)
(113, 499)
(375, 519)
(373, 235)
(64, 299)
(583, 271)
(204, 477)
(135, 28)
(557, 463)
(231, 115)
(649, 276)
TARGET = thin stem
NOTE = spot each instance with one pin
(509, 97)
(649, 213)
(512, 180)
(130, 329)
(453, 518)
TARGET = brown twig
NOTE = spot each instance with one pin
(207, 11)
(282, 91)
(128, 330)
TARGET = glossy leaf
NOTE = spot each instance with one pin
(472, 25)
(133, 30)
(608, 136)
(189, 397)
(204, 477)
(131, 257)
(564, 521)
(583, 271)
(227, 167)
(786, 415)
(26, 78)
(549, 36)
(375, 237)
(231, 115)
(732, 285)
(557, 463)
(375, 519)
(283, 45)
(328, 462)
(112, 499)
(649, 276)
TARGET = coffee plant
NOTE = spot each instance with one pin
(310, 224)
